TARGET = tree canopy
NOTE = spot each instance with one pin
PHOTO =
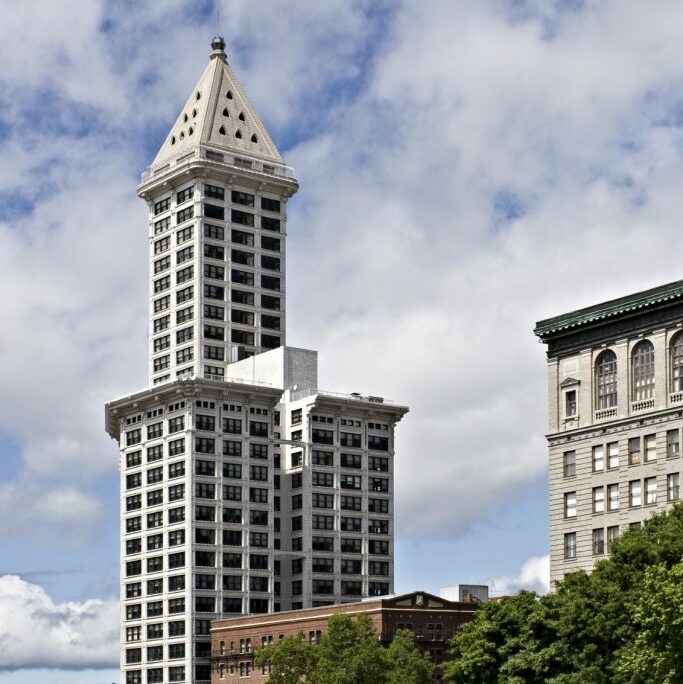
(620, 624)
(348, 653)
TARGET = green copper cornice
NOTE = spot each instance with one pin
(615, 307)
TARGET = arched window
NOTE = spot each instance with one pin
(606, 380)
(643, 368)
(677, 363)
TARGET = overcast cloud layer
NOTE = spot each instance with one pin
(466, 168)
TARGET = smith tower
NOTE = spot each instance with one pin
(244, 487)
(216, 192)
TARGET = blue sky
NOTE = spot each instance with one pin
(467, 167)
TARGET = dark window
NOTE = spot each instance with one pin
(214, 191)
(270, 243)
(270, 204)
(268, 223)
(214, 211)
(242, 217)
(243, 198)
(239, 237)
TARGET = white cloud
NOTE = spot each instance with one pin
(534, 576)
(36, 632)
(404, 269)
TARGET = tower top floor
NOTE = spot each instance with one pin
(218, 126)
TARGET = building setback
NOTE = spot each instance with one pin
(434, 620)
(615, 410)
(245, 489)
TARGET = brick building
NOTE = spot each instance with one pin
(235, 642)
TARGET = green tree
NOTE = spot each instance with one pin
(348, 653)
(604, 627)
(290, 659)
(404, 663)
(656, 653)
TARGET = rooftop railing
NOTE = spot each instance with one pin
(223, 157)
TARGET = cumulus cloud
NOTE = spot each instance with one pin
(534, 575)
(466, 169)
(37, 632)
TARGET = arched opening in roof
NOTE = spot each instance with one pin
(221, 130)
(229, 94)
(238, 133)
(241, 116)
(254, 139)
(225, 111)
(198, 95)
(194, 113)
(182, 135)
(185, 118)
(191, 131)
(173, 140)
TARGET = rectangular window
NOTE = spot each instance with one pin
(184, 235)
(634, 493)
(182, 316)
(320, 479)
(599, 542)
(612, 534)
(322, 500)
(232, 493)
(570, 505)
(269, 302)
(241, 238)
(258, 495)
(570, 545)
(673, 444)
(161, 324)
(270, 204)
(378, 443)
(598, 500)
(598, 458)
(184, 295)
(569, 463)
(184, 195)
(244, 198)
(613, 455)
(162, 303)
(570, 404)
(183, 255)
(351, 524)
(613, 497)
(162, 205)
(672, 486)
(270, 243)
(242, 218)
(214, 211)
(214, 191)
(634, 451)
(650, 448)
(650, 490)
(162, 245)
(214, 292)
(268, 223)
(184, 215)
(270, 283)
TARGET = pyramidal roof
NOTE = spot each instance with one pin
(218, 113)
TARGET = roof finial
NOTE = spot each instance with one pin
(218, 48)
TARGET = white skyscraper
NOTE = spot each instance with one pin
(244, 488)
